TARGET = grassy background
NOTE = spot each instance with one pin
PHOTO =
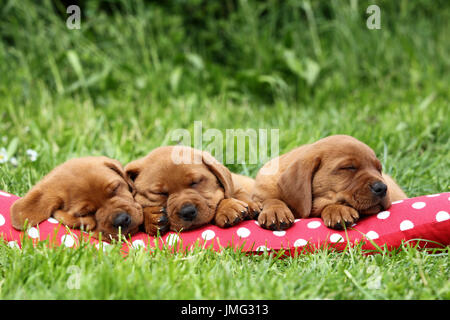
(136, 70)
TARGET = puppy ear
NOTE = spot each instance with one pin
(221, 172)
(295, 184)
(133, 169)
(36, 206)
(116, 166)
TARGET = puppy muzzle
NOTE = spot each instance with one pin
(378, 189)
(122, 220)
(188, 212)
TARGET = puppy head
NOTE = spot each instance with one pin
(336, 169)
(189, 183)
(114, 198)
(94, 189)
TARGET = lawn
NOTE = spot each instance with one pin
(138, 70)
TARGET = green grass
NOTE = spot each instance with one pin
(137, 70)
(88, 273)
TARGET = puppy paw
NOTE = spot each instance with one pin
(85, 223)
(230, 212)
(337, 216)
(275, 215)
(254, 209)
(155, 220)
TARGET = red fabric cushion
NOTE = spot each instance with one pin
(424, 217)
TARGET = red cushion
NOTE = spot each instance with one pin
(424, 217)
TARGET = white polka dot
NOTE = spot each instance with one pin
(398, 201)
(383, 215)
(314, 224)
(104, 245)
(53, 220)
(172, 239)
(406, 225)
(68, 240)
(262, 248)
(297, 220)
(335, 237)
(208, 235)
(256, 222)
(4, 194)
(279, 233)
(243, 232)
(13, 244)
(33, 233)
(138, 244)
(300, 243)
(372, 235)
(418, 205)
(442, 216)
(433, 195)
(2, 220)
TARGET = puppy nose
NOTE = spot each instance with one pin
(188, 212)
(379, 189)
(122, 220)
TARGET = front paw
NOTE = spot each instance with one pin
(85, 223)
(254, 209)
(155, 220)
(230, 212)
(275, 215)
(338, 216)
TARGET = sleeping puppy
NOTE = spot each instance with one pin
(92, 193)
(181, 188)
(338, 178)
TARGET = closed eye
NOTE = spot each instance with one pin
(116, 188)
(350, 168)
(158, 191)
(196, 183)
(113, 188)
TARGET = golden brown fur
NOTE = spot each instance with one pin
(88, 192)
(188, 193)
(335, 178)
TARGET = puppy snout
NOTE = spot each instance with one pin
(188, 212)
(379, 189)
(122, 220)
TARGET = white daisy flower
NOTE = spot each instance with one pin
(14, 161)
(32, 154)
(3, 155)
